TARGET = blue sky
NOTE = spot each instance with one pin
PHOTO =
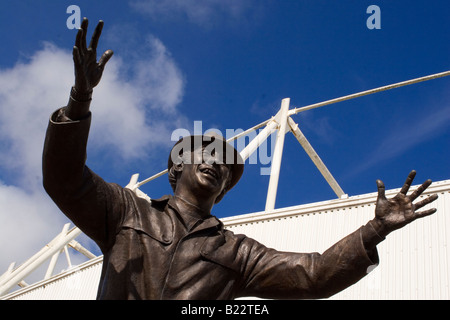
(228, 64)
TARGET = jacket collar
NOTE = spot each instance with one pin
(206, 223)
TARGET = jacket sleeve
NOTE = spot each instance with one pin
(92, 204)
(272, 274)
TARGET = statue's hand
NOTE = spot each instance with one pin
(392, 214)
(87, 71)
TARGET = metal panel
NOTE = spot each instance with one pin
(414, 261)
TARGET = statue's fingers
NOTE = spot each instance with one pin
(96, 36)
(84, 27)
(76, 57)
(420, 189)
(79, 69)
(381, 190)
(425, 213)
(105, 58)
(79, 39)
(425, 201)
(408, 182)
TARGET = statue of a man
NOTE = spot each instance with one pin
(173, 248)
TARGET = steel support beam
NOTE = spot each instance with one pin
(315, 158)
(277, 155)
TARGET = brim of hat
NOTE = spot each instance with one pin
(194, 142)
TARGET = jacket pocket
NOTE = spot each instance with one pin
(156, 224)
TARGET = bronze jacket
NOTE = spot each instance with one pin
(152, 252)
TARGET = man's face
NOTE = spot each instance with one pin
(205, 172)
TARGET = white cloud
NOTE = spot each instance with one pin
(29, 220)
(32, 89)
(28, 93)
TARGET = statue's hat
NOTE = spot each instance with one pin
(225, 152)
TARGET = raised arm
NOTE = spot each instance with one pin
(85, 198)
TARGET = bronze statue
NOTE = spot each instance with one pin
(173, 248)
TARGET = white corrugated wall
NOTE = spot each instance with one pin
(414, 261)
